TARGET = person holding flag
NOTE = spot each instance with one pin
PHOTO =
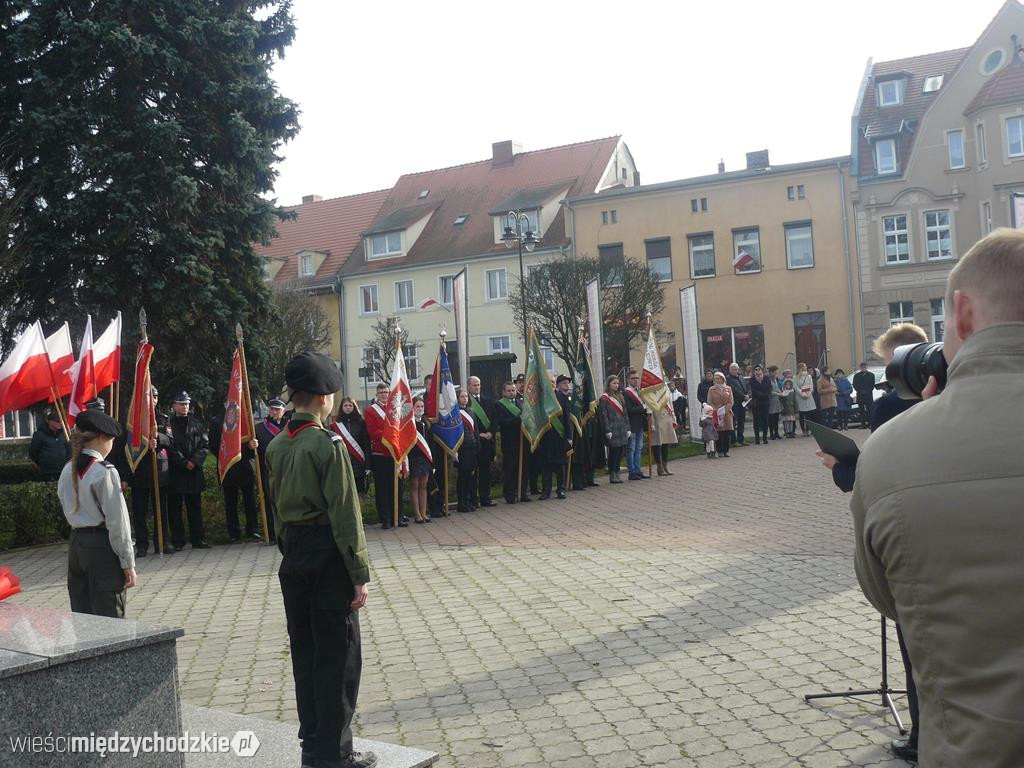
(542, 412)
(483, 412)
(420, 463)
(508, 419)
(469, 451)
(380, 458)
(49, 449)
(587, 447)
(655, 394)
(556, 443)
(189, 448)
(446, 425)
(400, 433)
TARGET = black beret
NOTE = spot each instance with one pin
(275, 403)
(97, 421)
(314, 373)
(562, 377)
(182, 397)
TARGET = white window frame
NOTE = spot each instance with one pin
(980, 136)
(791, 193)
(399, 306)
(756, 231)
(409, 353)
(878, 157)
(441, 292)
(1018, 121)
(487, 284)
(959, 136)
(661, 278)
(19, 419)
(388, 244)
(532, 222)
(801, 192)
(376, 301)
(901, 315)
(986, 217)
(365, 358)
(938, 317)
(703, 248)
(549, 357)
(880, 88)
(938, 228)
(788, 230)
(604, 218)
(306, 265)
(506, 344)
(896, 232)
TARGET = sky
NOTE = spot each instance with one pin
(394, 87)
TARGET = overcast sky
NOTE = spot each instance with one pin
(394, 87)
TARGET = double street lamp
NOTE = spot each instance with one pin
(523, 237)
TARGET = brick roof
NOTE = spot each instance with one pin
(330, 226)
(878, 121)
(476, 189)
(1004, 87)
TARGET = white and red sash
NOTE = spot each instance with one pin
(635, 395)
(380, 411)
(467, 420)
(421, 443)
(271, 427)
(354, 449)
(614, 403)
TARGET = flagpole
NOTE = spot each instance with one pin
(650, 417)
(444, 454)
(152, 453)
(55, 392)
(398, 347)
(252, 435)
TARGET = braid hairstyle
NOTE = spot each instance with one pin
(79, 439)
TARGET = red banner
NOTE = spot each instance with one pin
(141, 420)
(235, 428)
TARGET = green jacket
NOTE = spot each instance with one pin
(309, 474)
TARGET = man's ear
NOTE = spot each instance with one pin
(965, 314)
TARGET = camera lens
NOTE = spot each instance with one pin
(911, 367)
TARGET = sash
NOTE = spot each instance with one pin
(350, 442)
(614, 403)
(421, 443)
(467, 420)
(511, 407)
(635, 396)
(481, 414)
(380, 411)
(271, 427)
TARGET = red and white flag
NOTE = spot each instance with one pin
(653, 389)
(399, 427)
(744, 262)
(25, 376)
(141, 421)
(106, 355)
(427, 303)
(83, 377)
(62, 358)
(235, 427)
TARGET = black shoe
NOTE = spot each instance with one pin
(420, 522)
(403, 524)
(141, 553)
(360, 760)
(488, 504)
(170, 550)
(178, 547)
(255, 535)
(593, 485)
(462, 509)
(560, 495)
(544, 496)
(427, 520)
(202, 545)
(903, 749)
(525, 499)
(235, 539)
(385, 526)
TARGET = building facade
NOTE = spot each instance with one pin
(938, 160)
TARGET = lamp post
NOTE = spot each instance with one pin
(523, 237)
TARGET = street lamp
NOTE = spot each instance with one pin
(523, 237)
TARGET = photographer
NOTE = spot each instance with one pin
(938, 521)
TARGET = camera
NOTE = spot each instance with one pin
(912, 365)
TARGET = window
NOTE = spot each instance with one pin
(368, 300)
(1015, 136)
(993, 61)
(986, 217)
(549, 357)
(497, 284)
(615, 214)
(897, 239)
(612, 263)
(266, 269)
(743, 345)
(306, 268)
(498, 344)
(703, 204)
(791, 193)
(446, 289)
(694, 205)
(938, 239)
(901, 312)
(659, 258)
(411, 363)
(799, 246)
(403, 295)
(461, 219)
(746, 251)
(604, 217)
(531, 223)
(932, 83)
(885, 156)
(982, 148)
(386, 244)
(800, 193)
(702, 255)
(890, 93)
(955, 142)
(15, 424)
(371, 361)
(938, 319)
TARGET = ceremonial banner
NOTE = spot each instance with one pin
(446, 426)
(25, 376)
(541, 408)
(62, 359)
(83, 377)
(653, 389)
(691, 355)
(584, 388)
(141, 419)
(235, 429)
(399, 426)
(596, 327)
(461, 307)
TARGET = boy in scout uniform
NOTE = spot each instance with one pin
(324, 569)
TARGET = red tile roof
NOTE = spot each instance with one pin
(876, 120)
(1004, 87)
(476, 189)
(330, 226)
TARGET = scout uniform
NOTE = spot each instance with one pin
(101, 535)
(320, 535)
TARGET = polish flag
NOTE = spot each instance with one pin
(25, 375)
(743, 262)
(428, 303)
(62, 359)
(83, 376)
(106, 355)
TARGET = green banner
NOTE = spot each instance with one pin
(584, 388)
(540, 405)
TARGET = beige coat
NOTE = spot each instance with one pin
(719, 397)
(938, 513)
(827, 392)
(662, 432)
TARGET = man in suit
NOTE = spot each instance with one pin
(508, 416)
(483, 408)
(864, 386)
(556, 442)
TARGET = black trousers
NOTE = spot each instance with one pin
(805, 417)
(437, 503)
(194, 507)
(614, 457)
(269, 507)
(739, 417)
(509, 472)
(324, 636)
(141, 498)
(661, 451)
(466, 483)
(865, 405)
(722, 444)
(773, 424)
(231, 509)
(384, 488)
(911, 688)
(532, 467)
(483, 478)
(558, 470)
(760, 422)
(95, 578)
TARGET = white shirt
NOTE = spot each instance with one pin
(100, 502)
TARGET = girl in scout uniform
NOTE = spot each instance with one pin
(101, 558)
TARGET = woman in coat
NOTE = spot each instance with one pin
(774, 404)
(827, 397)
(352, 420)
(761, 395)
(803, 383)
(721, 400)
(663, 434)
(611, 409)
(844, 399)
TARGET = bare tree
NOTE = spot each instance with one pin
(385, 336)
(301, 326)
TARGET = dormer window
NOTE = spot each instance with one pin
(306, 267)
(890, 93)
(885, 156)
(385, 244)
(530, 224)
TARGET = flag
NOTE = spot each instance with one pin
(62, 358)
(596, 330)
(235, 427)
(584, 388)
(428, 303)
(9, 583)
(141, 419)
(430, 395)
(399, 426)
(743, 261)
(106, 355)
(653, 389)
(446, 426)
(25, 376)
(83, 376)
(461, 311)
(541, 408)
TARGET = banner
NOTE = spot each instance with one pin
(446, 426)
(62, 359)
(234, 430)
(106, 356)
(692, 356)
(461, 307)
(399, 426)
(540, 405)
(83, 377)
(584, 387)
(25, 376)
(596, 327)
(653, 389)
(141, 419)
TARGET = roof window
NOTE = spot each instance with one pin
(461, 219)
(424, 193)
(932, 83)
(890, 92)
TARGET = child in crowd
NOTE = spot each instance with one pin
(708, 432)
(787, 397)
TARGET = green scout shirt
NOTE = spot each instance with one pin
(309, 474)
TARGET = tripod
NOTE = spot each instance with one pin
(882, 690)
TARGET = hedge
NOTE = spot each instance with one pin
(12, 472)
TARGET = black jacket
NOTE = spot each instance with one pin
(49, 451)
(864, 383)
(761, 391)
(188, 443)
(740, 388)
(356, 426)
(510, 428)
(242, 471)
(702, 390)
(487, 447)
(635, 413)
(554, 447)
(142, 477)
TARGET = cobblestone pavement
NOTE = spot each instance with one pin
(674, 622)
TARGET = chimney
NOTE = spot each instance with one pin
(311, 199)
(503, 152)
(721, 165)
(757, 161)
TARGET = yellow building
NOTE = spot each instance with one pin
(769, 250)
